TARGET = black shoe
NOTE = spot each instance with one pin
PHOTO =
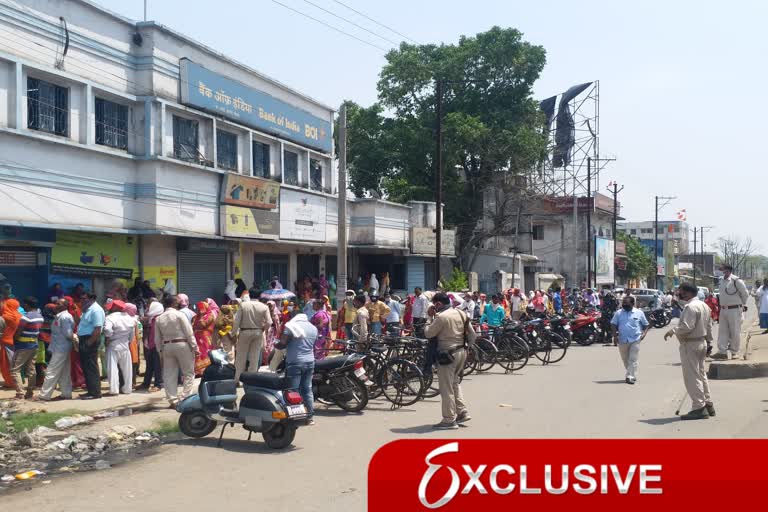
(463, 418)
(630, 380)
(696, 414)
(711, 410)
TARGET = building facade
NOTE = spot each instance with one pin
(130, 150)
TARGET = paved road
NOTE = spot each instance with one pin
(583, 396)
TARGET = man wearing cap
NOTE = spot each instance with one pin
(252, 320)
(178, 349)
(733, 302)
(119, 329)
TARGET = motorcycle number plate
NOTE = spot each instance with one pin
(296, 410)
(567, 327)
(534, 334)
(360, 372)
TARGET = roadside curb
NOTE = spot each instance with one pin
(737, 370)
(754, 365)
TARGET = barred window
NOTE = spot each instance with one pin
(47, 107)
(315, 174)
(111, 124)
(185, 139)
(226, 150)
(261, 159)
(290, 168)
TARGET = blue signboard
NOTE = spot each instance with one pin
(651, 245)
(210, 91)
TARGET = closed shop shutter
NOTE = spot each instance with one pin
(202, 274)
(415, 273)
(23, 271)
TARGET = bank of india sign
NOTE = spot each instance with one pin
(202, 88)
(424, 242)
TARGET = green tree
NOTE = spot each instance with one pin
(456, 282)
(640, 264)
(492, 125)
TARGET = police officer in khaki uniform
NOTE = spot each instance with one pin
(251, 322)
(447, 326)
(733, 303)
(694, 331)
(176, 342)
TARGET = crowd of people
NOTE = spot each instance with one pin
(74, 342)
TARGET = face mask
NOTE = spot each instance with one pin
(290, 308)
(626, 307)
(683, 302)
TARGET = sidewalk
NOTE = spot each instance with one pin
(755, 360)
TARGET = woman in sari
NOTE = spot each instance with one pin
(151, 355)
(203, 325)
(272, 334)
(321, 320)
(11, 317)
(75, 370)
(133, 345)
(223, 331)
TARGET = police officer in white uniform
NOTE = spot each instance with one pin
(733, 302)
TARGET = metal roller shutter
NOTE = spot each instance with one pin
(202, 274)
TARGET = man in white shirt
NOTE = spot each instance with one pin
(360, 327)
(419, 310)
(733, 302)
(393, 318)
(119, 330)
(762, 301)
(468, 306)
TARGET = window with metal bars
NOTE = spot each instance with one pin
(290, 168)
(47, 107)
(315, 174)
(111, 124)
(185, 139)
(226, 150)
(261, 159)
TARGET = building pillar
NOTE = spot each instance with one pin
(19, 95)
(88, 119)
(149, 130)
(292, 270)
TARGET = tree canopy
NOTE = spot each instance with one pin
(492, 125)
(640, 263)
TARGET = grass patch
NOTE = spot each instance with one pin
(31, 420)
(164, 427)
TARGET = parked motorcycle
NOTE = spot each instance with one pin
(267, 406)
(585, 328)
(660, 318)
(341, 380)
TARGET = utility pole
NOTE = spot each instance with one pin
(656, 235)
(615, 190)
(695, 230)
(589, 222)
(341, 259)
(145, 10)
(438, 177)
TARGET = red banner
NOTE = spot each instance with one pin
(540, 475)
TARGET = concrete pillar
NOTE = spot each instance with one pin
(292, 270)
(19, 95)
(149, 129)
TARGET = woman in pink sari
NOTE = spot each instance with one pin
(273, 335)
(203, 325)
(321, 320)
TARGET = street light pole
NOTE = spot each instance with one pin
(656, 235)
(615, 191)
(589, 222)
(695, 231)
(438, 176)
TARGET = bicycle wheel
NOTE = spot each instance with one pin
(470, 365)
(401, 382)
(513, 353)
(487, 352)
(373, 368)
(553, 348)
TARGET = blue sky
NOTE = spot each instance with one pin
(681, 83)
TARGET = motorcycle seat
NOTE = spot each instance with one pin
(263, 380)
(331, 363)
(378, 350)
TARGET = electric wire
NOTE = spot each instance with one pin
(330, 26)
(351, 22)
(376, 22)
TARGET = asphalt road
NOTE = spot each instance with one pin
(583, 396)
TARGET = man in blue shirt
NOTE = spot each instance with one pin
(629, 327)
(494, 313)
(89, 333)
(298, 339)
